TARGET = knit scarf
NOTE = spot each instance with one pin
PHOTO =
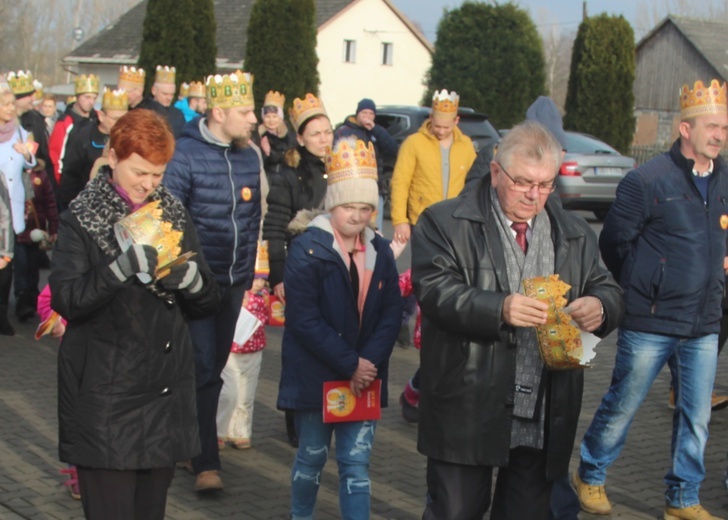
(7, 130)
(539, 261)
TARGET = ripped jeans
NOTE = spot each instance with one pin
(353, 447)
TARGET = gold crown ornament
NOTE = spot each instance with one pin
(145, 226)
(21, 82)
(351, 171)
(703, 100)
(184, 90)
(445, 102)
(165, 74)
(38, 95)
(131, 78)
(274, 99)
(115, 100)
(303, 109)
(87, 84)
(230, 90)
(196, 89)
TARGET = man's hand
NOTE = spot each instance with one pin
(402, 233)
(522, 311)
(363, 376)
(586, 312)
(279, 292)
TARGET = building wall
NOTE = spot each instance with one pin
(369, 23)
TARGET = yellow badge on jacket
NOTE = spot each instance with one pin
(724, 221)
(247, 194)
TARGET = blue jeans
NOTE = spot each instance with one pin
(640, 357)
(353, 447)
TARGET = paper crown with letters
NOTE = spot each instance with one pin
(165, 74)
(196, 89)
(21, 82)
(230, 90)
(351, 170)
(86, 84)
(131, 78)
(703, 100)
(445, 102)
(274, 99)
(304, 109)
(114, 100)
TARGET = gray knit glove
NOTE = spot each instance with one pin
(137, 259)
(184, 276)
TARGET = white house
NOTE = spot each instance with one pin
(366, 48)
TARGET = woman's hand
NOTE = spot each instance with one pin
(3, 263)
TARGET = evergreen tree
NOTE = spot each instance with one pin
(281, 48)
(492, 56)
(600, 98)
(179, 33)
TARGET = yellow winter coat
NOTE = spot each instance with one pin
(417, 176)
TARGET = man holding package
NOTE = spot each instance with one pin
(486, 398)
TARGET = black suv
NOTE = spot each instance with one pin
(403, 120)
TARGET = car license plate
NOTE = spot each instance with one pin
(608, 172)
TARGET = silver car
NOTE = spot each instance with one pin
(590, 173)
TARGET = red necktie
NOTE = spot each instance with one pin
(520, 229)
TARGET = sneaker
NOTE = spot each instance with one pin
(410, 413)
(208, 481)
(593, 499)
(718, 402)
(241, 444)
(695, 512)
(72, 482)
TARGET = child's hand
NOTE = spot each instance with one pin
(258, 285)
(59, 329)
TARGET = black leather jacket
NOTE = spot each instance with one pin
(468, 356)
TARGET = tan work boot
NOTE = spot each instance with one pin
(208, 481)
(718, 402)
(688, 513)
(593, 499)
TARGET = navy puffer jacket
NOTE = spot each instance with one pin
(220, 187)
(665, 245)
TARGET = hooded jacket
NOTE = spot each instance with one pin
(417, 176)
(324, 334)
(220, 186)
(468, 355)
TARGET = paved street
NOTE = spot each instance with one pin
(257, 480)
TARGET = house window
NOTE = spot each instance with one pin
(349, 51)
(387, 53)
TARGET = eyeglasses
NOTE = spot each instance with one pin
(524, 187)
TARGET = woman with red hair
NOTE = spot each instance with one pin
(126, 378)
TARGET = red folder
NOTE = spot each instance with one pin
(341, 405)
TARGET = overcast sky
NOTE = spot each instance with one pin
(562, 14)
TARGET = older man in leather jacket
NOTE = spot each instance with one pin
(486, 398)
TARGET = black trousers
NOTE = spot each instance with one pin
(460, 492)
(124, 495)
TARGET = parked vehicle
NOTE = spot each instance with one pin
(590, 173)
(403, 120)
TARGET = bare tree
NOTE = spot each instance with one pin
(557, 45)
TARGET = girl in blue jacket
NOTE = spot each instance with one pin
(343, 311)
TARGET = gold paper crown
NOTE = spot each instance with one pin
(703, 100)
(131, 77)
(87, 84)
(350, 158)
(21, 82)
(38, 90)
(274, 99)
(444, 102)
(115, 100)
(184, 89)
(303, 109)
(196, 89)
(226, 91)
(145, 226)
(262, 262)
(165, 74)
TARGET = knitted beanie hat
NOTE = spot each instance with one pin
(351, 168)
